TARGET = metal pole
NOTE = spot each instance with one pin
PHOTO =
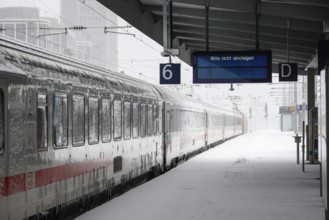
(258, 8)
(207, 26)
(165, 24)
(297, 150)
(171, 25)
(320, 179)
(307, 143)
(303, 148)
(288, 33)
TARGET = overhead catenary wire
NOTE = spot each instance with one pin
(91, 8)
(48, 10)
(68, 22)
(89, 56)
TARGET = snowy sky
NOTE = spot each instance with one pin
(49, 8)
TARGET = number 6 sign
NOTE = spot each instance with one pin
(169, 73)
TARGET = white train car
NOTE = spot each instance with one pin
(71, 134)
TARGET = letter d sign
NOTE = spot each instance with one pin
(288, 72)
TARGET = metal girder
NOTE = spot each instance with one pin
(247, 18)
(288, 9)
(241, 46)
(264, 39)
(246, 28)
(235, 34)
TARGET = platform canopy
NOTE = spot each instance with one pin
(232, 25)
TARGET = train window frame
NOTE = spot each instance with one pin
(42, 103)
(110, 120)
(159, 119)
(155, 119)
(2, 121)
(96, 141)
(74, 144)
(128, 137)
(135, 104)
(143, 122)
(117, 138)
(67, 121)
(149, 120)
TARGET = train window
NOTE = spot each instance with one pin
(60, 119)
(127, 120)
(10, 30)
(78, 120)
(42, 121)
(149, 120)
(135, 120)
(143, 120)
(155, 120)
(21, 31)
(93, 120)
(117, 120)
(106, 120)
(2, 122)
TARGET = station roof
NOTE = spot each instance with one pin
(232, 25)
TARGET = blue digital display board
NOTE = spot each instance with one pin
(232, 67)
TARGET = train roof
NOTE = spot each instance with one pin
(27, 60)
(21, 59)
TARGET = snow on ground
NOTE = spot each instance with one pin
(252, 177)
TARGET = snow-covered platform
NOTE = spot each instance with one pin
(252, 177)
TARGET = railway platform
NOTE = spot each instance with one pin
(251, 177)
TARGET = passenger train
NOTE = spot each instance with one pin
(72, 134)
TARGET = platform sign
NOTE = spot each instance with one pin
(323, 54)
(232, 67)
(288, 72)
(302, 107)
(169, 73)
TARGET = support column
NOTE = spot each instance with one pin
(207, 26)
(310, 103)
(324, 163)
(165, 24)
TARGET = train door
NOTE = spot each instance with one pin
(224, 124)
(206, 130)
(166, 117)
(3, 148)
(234, 128)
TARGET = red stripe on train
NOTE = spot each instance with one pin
(59, 173)
(15, 184)
(12, 184)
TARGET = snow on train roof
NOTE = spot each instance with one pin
(215, 108)
(17, 58)
(180, 99)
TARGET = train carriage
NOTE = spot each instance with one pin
(71, 133)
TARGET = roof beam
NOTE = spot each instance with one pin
(242, 46)
(250, 40)
(239, 45)
(247, 18)
(288, 9)
(246, 28)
